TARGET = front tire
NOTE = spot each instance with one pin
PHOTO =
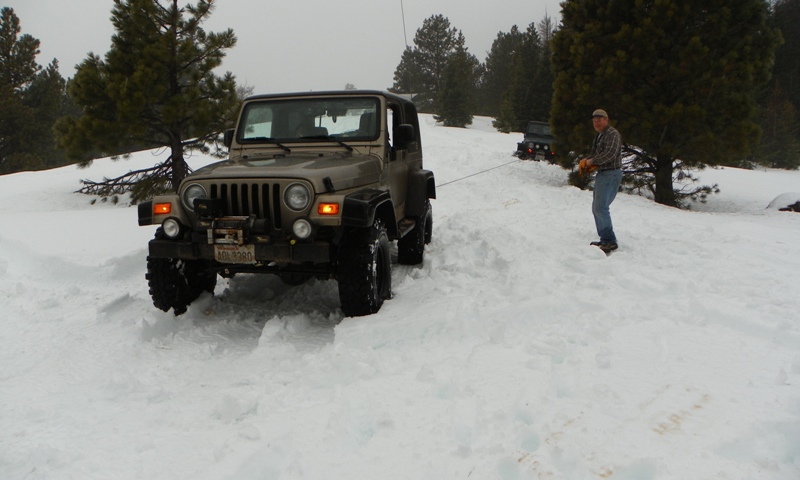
(364, 270)
(176, 283)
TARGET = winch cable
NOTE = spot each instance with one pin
(477, 173)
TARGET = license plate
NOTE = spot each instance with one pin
(243, 254)
(540, 156)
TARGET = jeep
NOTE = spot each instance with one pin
(537, 143)
(316, 185)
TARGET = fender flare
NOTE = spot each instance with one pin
(421, 187)
(361, 208)
(145, 210)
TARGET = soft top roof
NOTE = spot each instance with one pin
(331, 93)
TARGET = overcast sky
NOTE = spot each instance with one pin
(291, 45)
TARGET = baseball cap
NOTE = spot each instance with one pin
(599, 113)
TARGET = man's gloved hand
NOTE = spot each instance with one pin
(585, 168)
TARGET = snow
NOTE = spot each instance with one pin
(516, 351)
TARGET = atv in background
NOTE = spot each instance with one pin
(537, 144)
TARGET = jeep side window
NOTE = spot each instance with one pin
(412, 119)
(392, 122)
(389, 125)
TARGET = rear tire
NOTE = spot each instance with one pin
(411, 248)
(364, 270)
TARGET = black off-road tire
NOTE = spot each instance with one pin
(364, 270)
(411, 248)
(176, 283)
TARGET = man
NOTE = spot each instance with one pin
(606, 157)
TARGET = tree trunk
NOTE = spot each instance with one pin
(664, 191)
(179, 168)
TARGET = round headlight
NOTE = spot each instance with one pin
(192, 192)
(172, 228)
(302, 228)
(297, 197)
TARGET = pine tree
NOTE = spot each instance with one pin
(786, 18)
(19, 68)
(518, 101)
(779, 146)
(47, 98)
(407, 75)
(530, 88)
(30, 101)
(676, 76)
(17, 53)
(543, 82)
(456, 98)
(779, 104)
(155, 88)
(421, 68)
(499, 64)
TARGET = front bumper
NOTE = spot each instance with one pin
(314, 252)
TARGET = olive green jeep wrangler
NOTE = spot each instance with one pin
(316, 185)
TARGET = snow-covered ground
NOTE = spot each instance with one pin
(516, 351)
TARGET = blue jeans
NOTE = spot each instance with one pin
(606, 184)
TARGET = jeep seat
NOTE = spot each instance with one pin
(366, 124)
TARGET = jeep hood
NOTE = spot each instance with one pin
(344, 169)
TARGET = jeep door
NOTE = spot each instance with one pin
(397, 160)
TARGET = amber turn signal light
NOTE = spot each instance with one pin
(162, 208)
(328, 209)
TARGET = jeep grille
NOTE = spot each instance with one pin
(254, 198)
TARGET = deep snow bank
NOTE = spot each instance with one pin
(515, 351)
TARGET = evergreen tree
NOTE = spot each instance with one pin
(480, 101)
(17, 53)
(530, 88)
(676, 76)
(542, 85)
(779, 146)
(786, 18)
(519, 99)
(47, 99)
(779, 104)
(421, 68)
(498, 65)
(30, 100)
(155, 88)
(456, 99)
(407, 75)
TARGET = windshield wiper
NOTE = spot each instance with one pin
(271, 140)
(329, 138)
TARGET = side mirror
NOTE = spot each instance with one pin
(227, 138)
(404, 136)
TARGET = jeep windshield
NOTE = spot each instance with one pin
(540, 129)
(344, 119)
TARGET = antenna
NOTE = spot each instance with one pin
(403, 14)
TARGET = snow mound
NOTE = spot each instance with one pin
(784, 200)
